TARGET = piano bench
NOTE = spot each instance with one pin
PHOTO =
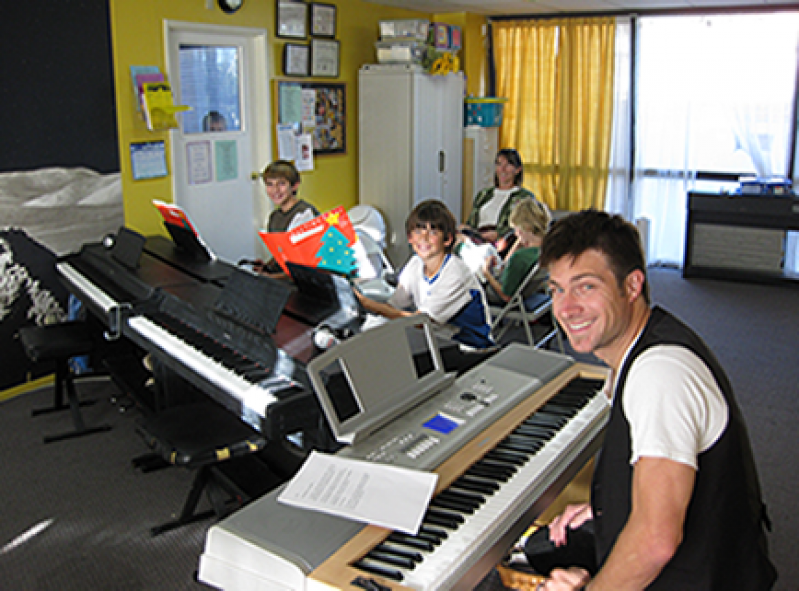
(58, 343)
(205, 437)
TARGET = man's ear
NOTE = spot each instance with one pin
(448, 242)
(635, 284)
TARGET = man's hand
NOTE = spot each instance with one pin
(571, 518)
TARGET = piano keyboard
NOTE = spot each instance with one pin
(268, 545)
(496, 489)
(220, 360)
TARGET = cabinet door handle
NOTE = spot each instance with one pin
(442, 161)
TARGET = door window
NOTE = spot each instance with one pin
(209, 84)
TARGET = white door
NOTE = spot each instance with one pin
(221, 73)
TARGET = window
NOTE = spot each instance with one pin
(209, 84)
(715, 97)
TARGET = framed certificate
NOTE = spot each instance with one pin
(324, 58)
(323, 20)
(292, 19)
(296, 59)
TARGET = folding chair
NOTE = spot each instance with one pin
(526, 306)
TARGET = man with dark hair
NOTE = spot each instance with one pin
(675, 499)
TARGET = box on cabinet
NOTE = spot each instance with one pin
(484, 112)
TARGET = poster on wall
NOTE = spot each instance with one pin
(198, 162)
(321, 108)
(227, 160)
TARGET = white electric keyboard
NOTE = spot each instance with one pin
(504, 477)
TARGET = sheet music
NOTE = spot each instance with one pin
(378, 494)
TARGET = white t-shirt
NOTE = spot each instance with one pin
(674, 406)
(440, 297)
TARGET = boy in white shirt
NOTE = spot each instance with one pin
(437, 283)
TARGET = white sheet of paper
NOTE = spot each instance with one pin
(286, 142)
(378, 494)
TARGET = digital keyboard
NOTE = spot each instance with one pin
(488, 493)
(239, 367)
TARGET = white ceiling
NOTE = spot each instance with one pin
(512, 7)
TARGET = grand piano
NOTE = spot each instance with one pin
(520, 426)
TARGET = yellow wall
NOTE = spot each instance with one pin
(137, 39)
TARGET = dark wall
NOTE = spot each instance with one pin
(56, 86)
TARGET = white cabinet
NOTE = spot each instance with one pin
(480, 147)
(410, 148)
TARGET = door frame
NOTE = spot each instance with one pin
(258, 70)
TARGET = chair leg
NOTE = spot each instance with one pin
(59, 402)
(64, 381)
(187, 515)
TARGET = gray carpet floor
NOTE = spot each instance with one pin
(75, 515)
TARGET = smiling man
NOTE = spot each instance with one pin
(675, 499)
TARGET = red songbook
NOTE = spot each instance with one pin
(174, 215)
(324, 242)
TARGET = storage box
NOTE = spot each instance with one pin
(400, 51)
(405, 29)
(484, 112)
(440, 35)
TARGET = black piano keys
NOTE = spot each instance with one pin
(451, 507)
(233, 359)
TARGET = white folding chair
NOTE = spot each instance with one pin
(527, 305)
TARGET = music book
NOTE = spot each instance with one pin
(324, 242)
(183, 233)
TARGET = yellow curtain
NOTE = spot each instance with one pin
(557, 75)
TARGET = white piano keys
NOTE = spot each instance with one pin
(200, 363)
(447, 564)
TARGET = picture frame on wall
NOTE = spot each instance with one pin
(323, 20)
(324, 58)
(292, 19)
(296, 59)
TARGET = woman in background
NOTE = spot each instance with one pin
(488, 221)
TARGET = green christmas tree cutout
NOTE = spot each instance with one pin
(335, 253)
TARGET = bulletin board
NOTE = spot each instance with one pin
(316, 108)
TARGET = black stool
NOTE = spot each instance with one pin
(211, 439)
(58, 343)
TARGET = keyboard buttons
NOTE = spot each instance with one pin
(419, 446)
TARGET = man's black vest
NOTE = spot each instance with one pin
(724, 544)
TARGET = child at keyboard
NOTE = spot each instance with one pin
(282, 182)
(436, 282)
